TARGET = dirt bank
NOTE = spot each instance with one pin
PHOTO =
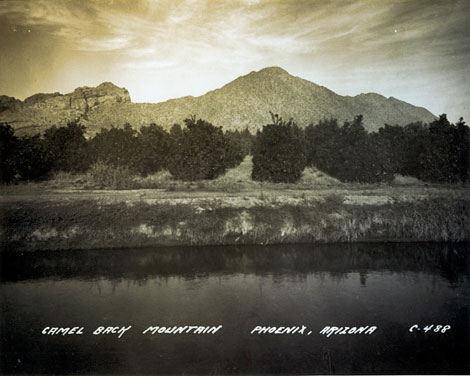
(85, 220)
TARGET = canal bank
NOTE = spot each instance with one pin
(56, 223)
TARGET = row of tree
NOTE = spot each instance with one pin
(196, 151)
(437, 152)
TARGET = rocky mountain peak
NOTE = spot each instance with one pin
(106, 92)
(272, 71)
(269, 73)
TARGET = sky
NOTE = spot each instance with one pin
(414, 50)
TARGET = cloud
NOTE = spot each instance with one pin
(354, 41)
(149, 64)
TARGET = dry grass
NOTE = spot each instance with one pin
(401, 180)
(237, 179)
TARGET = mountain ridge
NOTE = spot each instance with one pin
(245, 102)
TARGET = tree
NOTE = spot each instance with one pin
(238, 147)
(439, 158)
(116, 146)
(279, 152)
(322, 141)
(359, 160)
(462, 141)
(176, 132)
(416, 137)
(24, 158)
(67, 148)
(242, 138)
(32, 159)
(200, 152)
(348, 153)
(392, 141)
(154, 149)
(8, 150)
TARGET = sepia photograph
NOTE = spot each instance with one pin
(234, 187)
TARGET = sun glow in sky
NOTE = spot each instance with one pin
(416, 50)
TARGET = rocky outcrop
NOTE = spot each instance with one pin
(40, 111)
(82, 98)
(7, 102)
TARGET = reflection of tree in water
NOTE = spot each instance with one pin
(363, 277)
(448, 260)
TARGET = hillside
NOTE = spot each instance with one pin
(244, 102)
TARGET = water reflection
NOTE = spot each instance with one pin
(449, 260)
(392, 286)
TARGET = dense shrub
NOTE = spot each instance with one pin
(279, 152)
(110, 176)
(201, 151)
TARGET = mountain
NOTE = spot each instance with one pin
(41, 111)
(244, 102)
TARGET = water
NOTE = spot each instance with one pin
(390, 286)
